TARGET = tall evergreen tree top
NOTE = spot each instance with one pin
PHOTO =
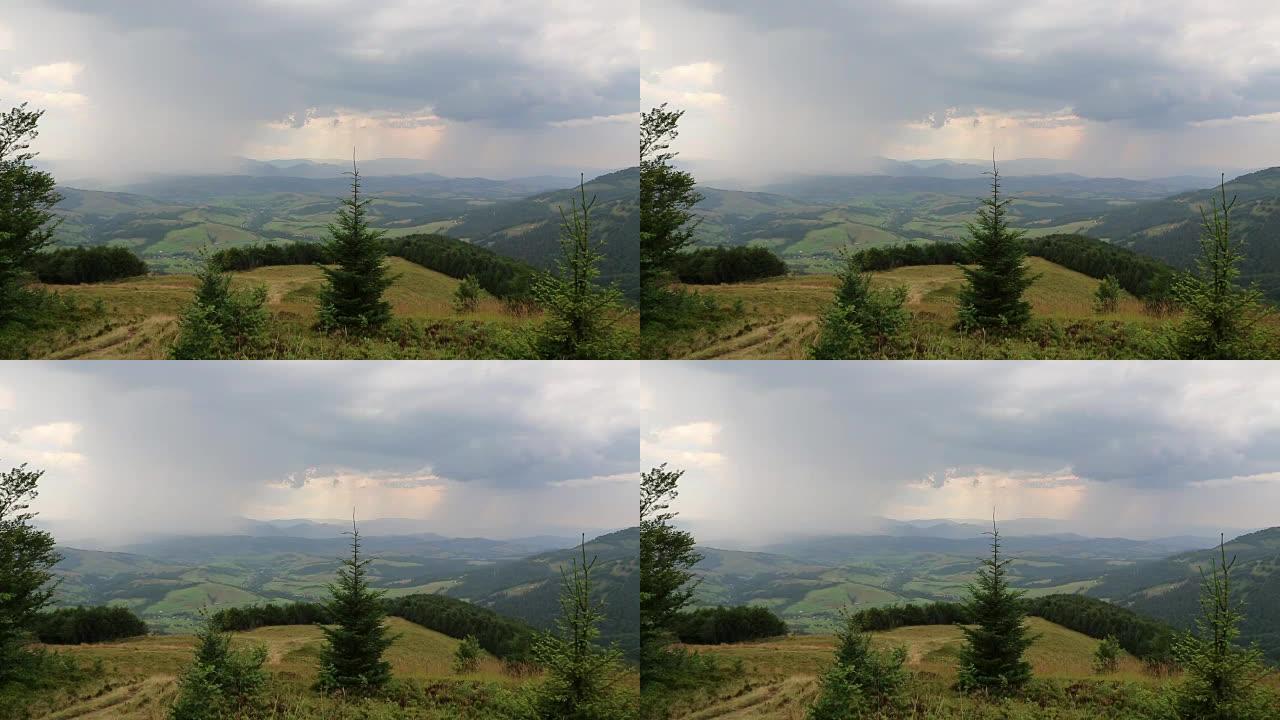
(667, 555)
(1222, 677)
(1221, 315)
(351, 659)
(27, 557)
(581, 674)
(352, 298)
(667, 195)
(992, 657)
(27, 197)
(581, 314)
(992, 297)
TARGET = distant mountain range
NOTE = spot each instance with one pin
(808, 581)
(168, 581)
(807, 220)
(169, 220)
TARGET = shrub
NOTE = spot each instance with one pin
(861, 321)
(467, 297)
(466, 659)
(863, 682)
(1106, 659)
(1107, 297)
(221, 323)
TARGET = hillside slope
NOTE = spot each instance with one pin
(141, 318)
(529, 589)
(140, 678)
(529, 229)
(1169, 229)
(780, 315)
(781, 677)
(1169, 589)
(809, 583)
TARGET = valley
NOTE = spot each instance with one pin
(168, 583)
(169, 221)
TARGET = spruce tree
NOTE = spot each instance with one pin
(1222, 677)
(27, 197)
(1220, 314)
(221, 323)
(861, 322)
(667, 197)
(580, 673)
(220, 682)
(991, 659)
(581, 314)
(863, 683)
(351, 301)
(27, 558)
(991, 299)
(667, 555)
(351, 659)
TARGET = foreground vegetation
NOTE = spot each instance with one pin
(993, 311)
(986, 659)
(55, 303)
(345, 658)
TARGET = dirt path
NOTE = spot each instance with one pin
(142, 700)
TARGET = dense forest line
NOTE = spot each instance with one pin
(1142, 637)
(78, 265)
(716, 265)
(1140, 275)
(500, 276)
(79, 625)
(503, 637)
(717, 625)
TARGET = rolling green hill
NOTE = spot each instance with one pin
(529, 229)
(1169, 589)
(1169, 228)
(807, 221)
(809, 582)
(529, 589)
(167, 222)
(168, 582)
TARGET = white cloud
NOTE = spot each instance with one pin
(57, 434)
(54, 76)
(6, 398)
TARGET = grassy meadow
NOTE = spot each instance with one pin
(138, 679)
(138, 318)
(778, 318)
(780, 677)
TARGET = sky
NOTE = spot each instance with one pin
(1114, 449)
(498, 88)
(489, 449)
(1140, 88)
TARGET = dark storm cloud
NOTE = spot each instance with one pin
(383, 55)
(183, 86)
(193, 445)
(847, 440)
(1106, 62)
(823, 86)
